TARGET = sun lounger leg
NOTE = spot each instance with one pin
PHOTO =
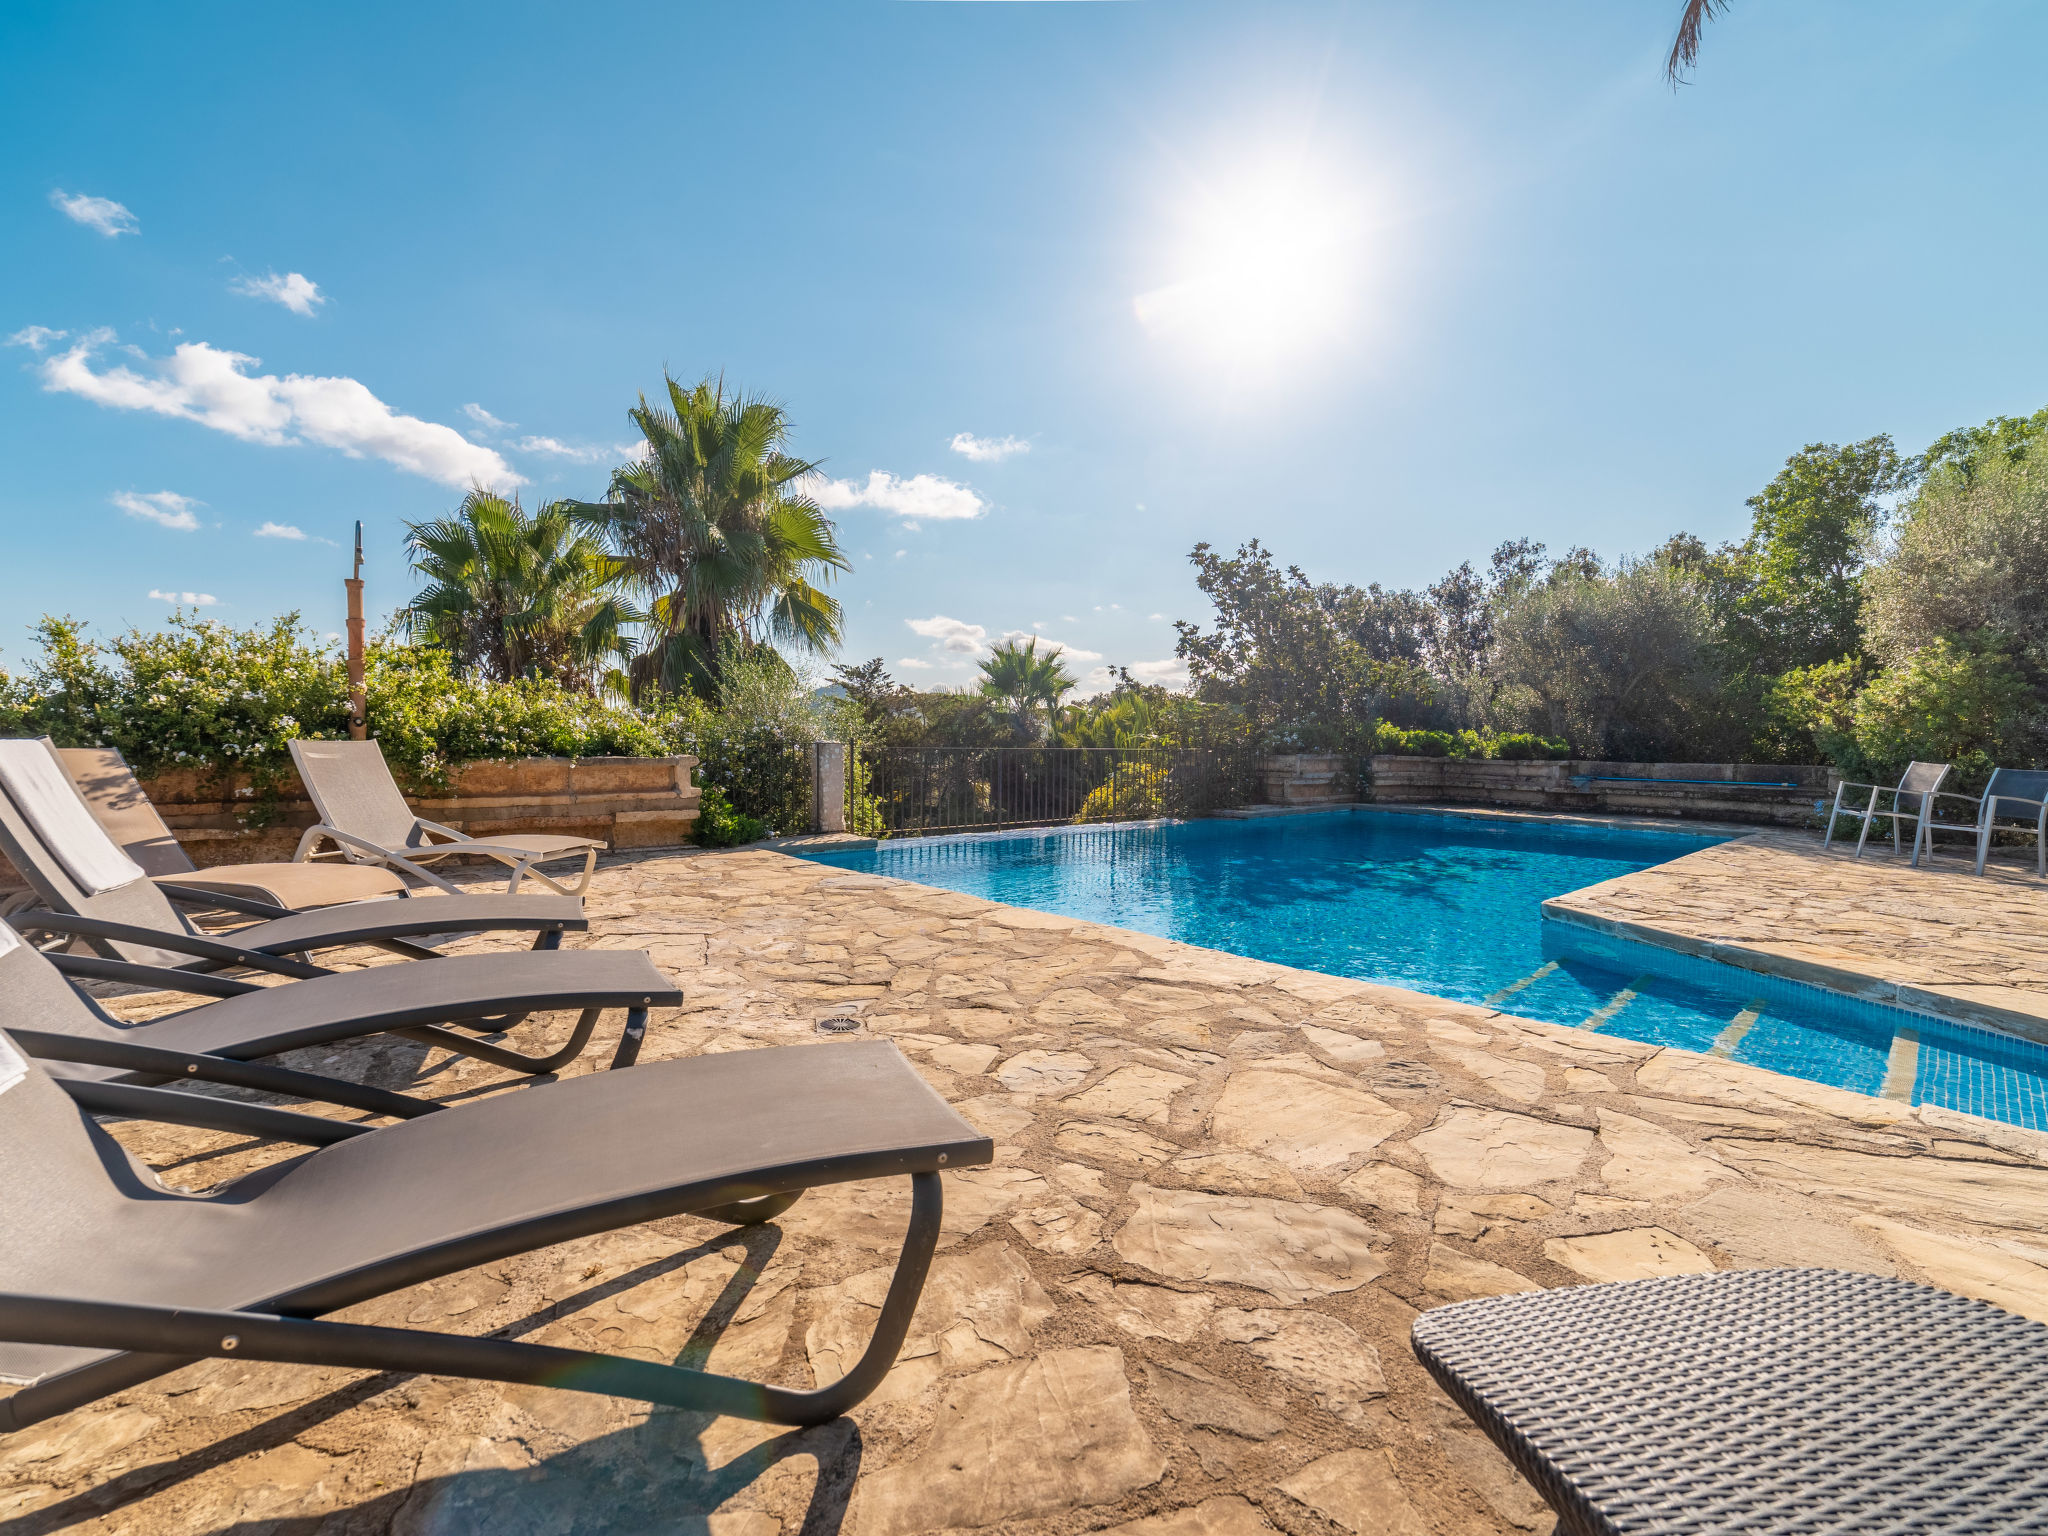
(515, 1061)
(631, 1038)
(175, 1337)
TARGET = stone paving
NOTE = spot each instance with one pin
(1176, 1305)
(1937, 937)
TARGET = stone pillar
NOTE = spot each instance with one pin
(828, 786)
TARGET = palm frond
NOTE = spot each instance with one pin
(1685, 48)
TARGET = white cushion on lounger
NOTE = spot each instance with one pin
(40, 789)
(12, 1067)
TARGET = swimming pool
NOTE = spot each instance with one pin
(1452, 906)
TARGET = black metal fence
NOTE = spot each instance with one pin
(908, 791)
(762, 776)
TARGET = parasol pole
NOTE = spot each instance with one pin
(358, 703)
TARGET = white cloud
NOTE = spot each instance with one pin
(595, 453)
(100, 213)
(1156, 618)
(185, 599)
(484, 418)
(35, 337)
(988, 450)
(202, 383)
(165, 508)
(920, 496)
(915, 664)
(900, 554)
(281, 531)
(1171, 673)
(1046, 643)
(295, 291)
(951, 634)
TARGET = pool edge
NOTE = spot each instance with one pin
(1933, 1001)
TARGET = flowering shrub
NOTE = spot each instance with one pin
(204, 696)
(1134, 791)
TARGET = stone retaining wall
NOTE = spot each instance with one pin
(1308, 778)
(1577, 785)
(629, 802)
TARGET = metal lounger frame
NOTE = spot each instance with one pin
(154, 1339)
(467, 992)
(361, 850)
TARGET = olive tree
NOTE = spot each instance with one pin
(1618, 661)
(1971, 559)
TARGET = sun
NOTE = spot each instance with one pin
(1265, 265)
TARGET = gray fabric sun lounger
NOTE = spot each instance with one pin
(363, 814)
(221, 1042)
(95, 894)
(1764, 1402)
(109, 788)
(108, 1279)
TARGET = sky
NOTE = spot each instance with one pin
(1053, 291)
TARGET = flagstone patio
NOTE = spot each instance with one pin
(1177, 1304)
(1939, 938)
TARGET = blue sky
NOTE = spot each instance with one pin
(1378, 284)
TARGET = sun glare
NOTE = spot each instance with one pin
(1264, 267)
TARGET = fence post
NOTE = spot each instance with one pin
(828, 786)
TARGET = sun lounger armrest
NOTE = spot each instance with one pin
(450, 833)
(1949, 794)
(193, 896)
(200, 1067)
(154, 938)
(230, 1115)
(198, 983)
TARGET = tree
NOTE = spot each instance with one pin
(1970, 562)
(714, 530)
(511, 595)
(1966, 452)
(1020, 679)
(1796, 597)
(1464, 605)
(1288, 652)
(1618, 660)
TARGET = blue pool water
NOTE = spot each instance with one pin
(1452, 905)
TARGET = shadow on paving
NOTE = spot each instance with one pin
(653, 1476)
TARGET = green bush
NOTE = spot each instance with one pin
(720, 826)
(1517, 746)
(1525, 747)
(1391, 739)
(1947, 703)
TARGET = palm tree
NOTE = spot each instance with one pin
(714, 530)
(516, 595)
(1685, 48)
(1022, 679)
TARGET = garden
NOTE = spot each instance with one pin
(1883, 607)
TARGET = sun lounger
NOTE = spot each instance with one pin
(108, 786)
(107, 1279)
(1912, 799)
(1761, 1401)
(363, 814)
(218, 1042)
(99, 896)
